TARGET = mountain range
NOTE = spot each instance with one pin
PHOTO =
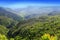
(6, 12)
(29, 12)
(29, 23)
(33, 11)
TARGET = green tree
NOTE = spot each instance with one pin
(11, 38)
(3, 37)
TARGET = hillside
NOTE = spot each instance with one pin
(39, 26)
(34, 28)
(7, 22)
(10, 14)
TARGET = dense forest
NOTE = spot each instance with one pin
(41, 28)
(31, 27)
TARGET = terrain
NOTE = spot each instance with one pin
(31, 23)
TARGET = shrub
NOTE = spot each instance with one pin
(48, 37)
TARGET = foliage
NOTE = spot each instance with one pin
(3, 30)
(11, 38)
(3, 37)
(48, 37)
(18, 38)
(7, 22)
(33, 29)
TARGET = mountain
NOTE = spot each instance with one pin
(37, 11)
(54, 13)
(29, 12)
(40, 21)
(9, 13)
(8, 17)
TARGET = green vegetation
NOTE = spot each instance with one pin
(48, 37)
(5, 21)
(41, 28)
(3, 37)
(3, 30)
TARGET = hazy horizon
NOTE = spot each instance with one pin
(25, 3)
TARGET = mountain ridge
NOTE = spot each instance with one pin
(9, 14)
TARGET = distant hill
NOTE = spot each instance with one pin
(33, 11)
(9, 13)
(28, 12)
(54, 13)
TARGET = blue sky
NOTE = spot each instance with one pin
(25, 3)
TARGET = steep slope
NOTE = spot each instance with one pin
(7, 13)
